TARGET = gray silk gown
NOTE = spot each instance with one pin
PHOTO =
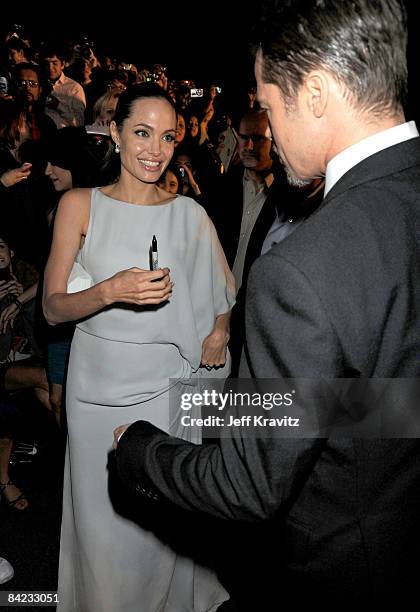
(123, 361)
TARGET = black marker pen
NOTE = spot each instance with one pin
(154, 251)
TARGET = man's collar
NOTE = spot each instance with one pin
(353, 155)
(266, 182)
(60, 79)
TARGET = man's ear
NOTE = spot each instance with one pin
(317, 90)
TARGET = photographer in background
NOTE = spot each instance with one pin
(159, 76)
(130, 70)
(117, 80)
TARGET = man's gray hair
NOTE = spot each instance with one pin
(362, 43)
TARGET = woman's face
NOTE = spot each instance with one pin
(180, 128)
(87, 70)
(146, 139)
(184, 160)
(5, 255)
(170, 182)
(108, 110)
(60, 177)
(193, 126)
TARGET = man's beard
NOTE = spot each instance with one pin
(294, 181)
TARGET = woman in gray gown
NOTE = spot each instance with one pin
(141, 336)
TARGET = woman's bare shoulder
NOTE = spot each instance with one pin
(74, 207)
(80, 196)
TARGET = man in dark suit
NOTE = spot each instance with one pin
(238, 199)
(339, 298)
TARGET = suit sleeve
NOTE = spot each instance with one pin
(242, 479)
(247, 478)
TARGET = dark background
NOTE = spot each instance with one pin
(206, 41)
(199, 42)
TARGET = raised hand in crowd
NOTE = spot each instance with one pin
(16, 175)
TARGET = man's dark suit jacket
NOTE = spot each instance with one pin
(340, 297)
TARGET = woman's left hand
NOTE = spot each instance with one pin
(7, 317)
(214, 348)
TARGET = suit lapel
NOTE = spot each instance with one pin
(388, 161)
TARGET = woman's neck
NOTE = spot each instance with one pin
(136, 192)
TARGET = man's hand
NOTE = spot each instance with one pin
(118, 433)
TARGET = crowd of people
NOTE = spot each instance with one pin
(155, 243)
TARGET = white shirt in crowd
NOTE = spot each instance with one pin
(72, 103)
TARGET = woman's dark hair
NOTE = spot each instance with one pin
(17, 44)
(11, 114)
(74, 150)
(137, 92)
(6, 238)
(176, 171)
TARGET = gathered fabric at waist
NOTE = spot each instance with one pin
(162, 325)
(112, 373)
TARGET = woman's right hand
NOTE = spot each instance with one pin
(12, 286)
(193, 184)
(137, 286)
(16, 175)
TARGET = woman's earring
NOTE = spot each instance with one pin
(117, 148)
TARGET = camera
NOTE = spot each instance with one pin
(86, 47)
(17, 31)
(52, 102)
(86, 52)
(4, 86)
(196, 93)
(219, 90)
